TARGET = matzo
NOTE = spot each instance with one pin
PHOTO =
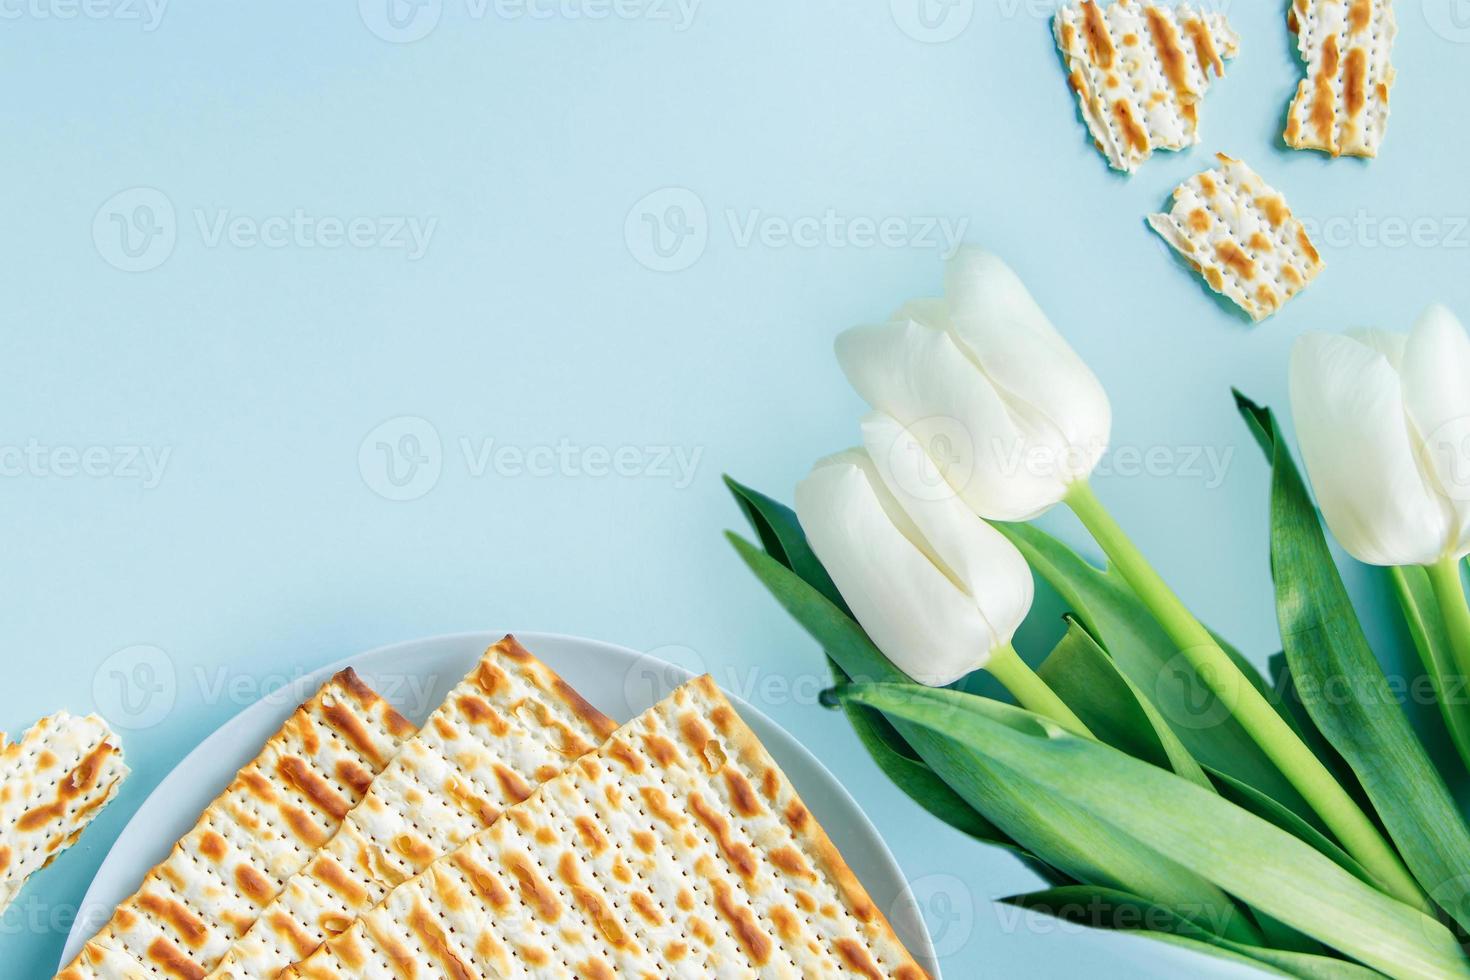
(1140, 73)
(262, 829)
(1341, 107)
(678, 849)
(1241, 236)
(59, 776)
(509, 725)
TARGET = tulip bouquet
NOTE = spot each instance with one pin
(1148, 772)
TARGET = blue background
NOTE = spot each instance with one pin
(537, 317)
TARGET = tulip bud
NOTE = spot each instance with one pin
(988, 386)
(935, 587)
(1384, 425)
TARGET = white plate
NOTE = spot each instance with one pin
(415, 676)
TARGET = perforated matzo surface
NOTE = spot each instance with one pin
(678, 849)
(1140, 73)
(508, 726)
(274, 816)
(1241, 236)
(59, 776)
(1341, 107)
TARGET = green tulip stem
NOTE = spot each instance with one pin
(1033, 693)
(1277, 739)
(1449, 591)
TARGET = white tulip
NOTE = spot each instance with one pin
(938, 590)
(1384, 424)
(988, 386)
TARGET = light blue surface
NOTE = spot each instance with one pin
(520, 146)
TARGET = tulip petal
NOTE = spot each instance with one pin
(1349, 409)
(1436, 379)
(913, 612)
(977, 556)
(913, 371)
(1045, 384)
(1391, 345)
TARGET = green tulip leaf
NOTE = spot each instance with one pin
(1125, 628)
(1345, 691)
(1281, 963)
(1243, 854)
(1103, 908)
(1427, 628)
(1112, 706)
(781, 535)
(1043, 822)
(1248, 797)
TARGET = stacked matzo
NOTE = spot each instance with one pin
(265, 826)
(678, 849)
(60, 775)
(510, 725)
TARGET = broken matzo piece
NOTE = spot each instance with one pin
(264, 827)
(510, 725)
(1140, 73)
(1341, 107)
(678, 849)
(1241, 236)
(59, 776)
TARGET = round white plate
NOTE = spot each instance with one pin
(416, 676)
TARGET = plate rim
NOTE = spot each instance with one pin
(84, 927)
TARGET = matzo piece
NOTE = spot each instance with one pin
(678, 849)
(59, 776)
(1140, 73)
(261, 830)
(1341, 107)
(1241, 236)
(511, 724)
